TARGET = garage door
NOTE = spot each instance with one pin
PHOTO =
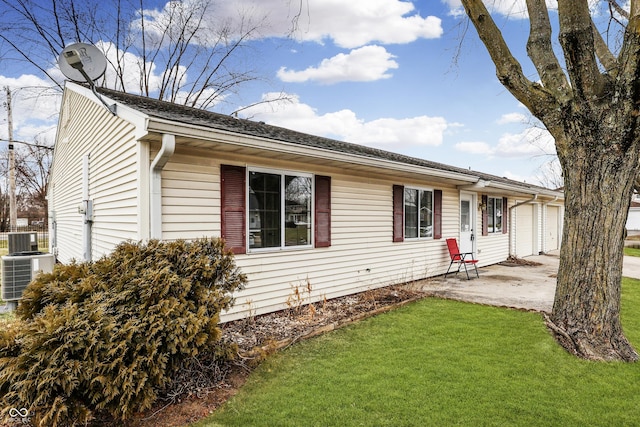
(553, 231)
(524, 230)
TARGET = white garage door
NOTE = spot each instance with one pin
(633, 220)
(524, 230)
(553, 231)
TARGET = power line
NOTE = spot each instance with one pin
(33, 144)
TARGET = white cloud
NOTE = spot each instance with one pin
(368, 63)
(510, 8)
(44, 133)
(349, 24)
(385, 133)
(413, 131)
(359, 22)
(530, 143)
(132, 66)
(517, 177)
(132, 76)
(471, 147)
(512, 118)
(35, 105)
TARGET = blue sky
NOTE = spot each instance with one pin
(405, 76)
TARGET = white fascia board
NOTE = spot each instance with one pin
(526, 190)
(139, 120)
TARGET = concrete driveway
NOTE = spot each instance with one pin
(529, 287)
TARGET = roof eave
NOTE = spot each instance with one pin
(244, 140)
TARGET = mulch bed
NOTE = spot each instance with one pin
(197, 397)
(517, 262)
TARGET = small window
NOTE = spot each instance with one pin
(494, 214)
(418, 213)
(279, 209)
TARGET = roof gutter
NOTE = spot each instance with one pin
(155, 184)
(478, 185)
(263, 143)
(533, 199)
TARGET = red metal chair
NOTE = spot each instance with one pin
(460, 258)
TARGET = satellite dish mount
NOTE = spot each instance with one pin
(83, 62)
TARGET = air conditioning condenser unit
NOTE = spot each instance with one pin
(23, 242)
(19, 270)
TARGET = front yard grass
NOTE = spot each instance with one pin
(438, 362)
(631, 251)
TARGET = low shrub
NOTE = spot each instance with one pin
(109, 336)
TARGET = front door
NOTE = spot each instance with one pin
(467, 236)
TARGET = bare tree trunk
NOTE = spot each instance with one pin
(594, 119)
(586, 309)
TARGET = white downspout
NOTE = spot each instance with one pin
(155, 191)
(533, 199)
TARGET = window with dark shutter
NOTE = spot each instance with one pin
(398, 213)
(322, 211)
(505, 216)
(437, 214)
(485, 219)
(233, 207)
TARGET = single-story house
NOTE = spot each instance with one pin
(299, 211)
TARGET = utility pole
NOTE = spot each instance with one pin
(13, 213)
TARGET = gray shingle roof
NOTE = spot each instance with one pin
(193, 116)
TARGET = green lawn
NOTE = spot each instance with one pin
(632, 251)
(441, 363)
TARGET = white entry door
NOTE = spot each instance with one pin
(467, 232)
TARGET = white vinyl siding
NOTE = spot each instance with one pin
(111, 147)
(190, 197)
(494, 247)
(361, 256)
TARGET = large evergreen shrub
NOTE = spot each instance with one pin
(109, 335)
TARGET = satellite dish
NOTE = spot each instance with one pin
(82, 62)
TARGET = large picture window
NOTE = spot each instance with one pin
(274, 209)
(418, 213)
(279, 209)
(494, 214)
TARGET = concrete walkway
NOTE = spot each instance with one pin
(518, 286)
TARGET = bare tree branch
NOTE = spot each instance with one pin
(577, 41)
(541, 52)
(606, 58)
(508, 69)
(180, 53)
(613, 4)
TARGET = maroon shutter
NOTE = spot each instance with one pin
(485, 223)
(505, 216)
(437, 214)
(323, 212)
(398, 213)
(233, 207)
